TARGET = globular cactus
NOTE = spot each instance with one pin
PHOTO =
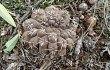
(50, 30)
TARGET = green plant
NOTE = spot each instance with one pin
(7, 17)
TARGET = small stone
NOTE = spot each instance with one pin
(93, 1)
(83, 6)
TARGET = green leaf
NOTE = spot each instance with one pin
(6, 16)
(11, 43)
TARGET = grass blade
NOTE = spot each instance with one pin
(6, 16)
(11, 43)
